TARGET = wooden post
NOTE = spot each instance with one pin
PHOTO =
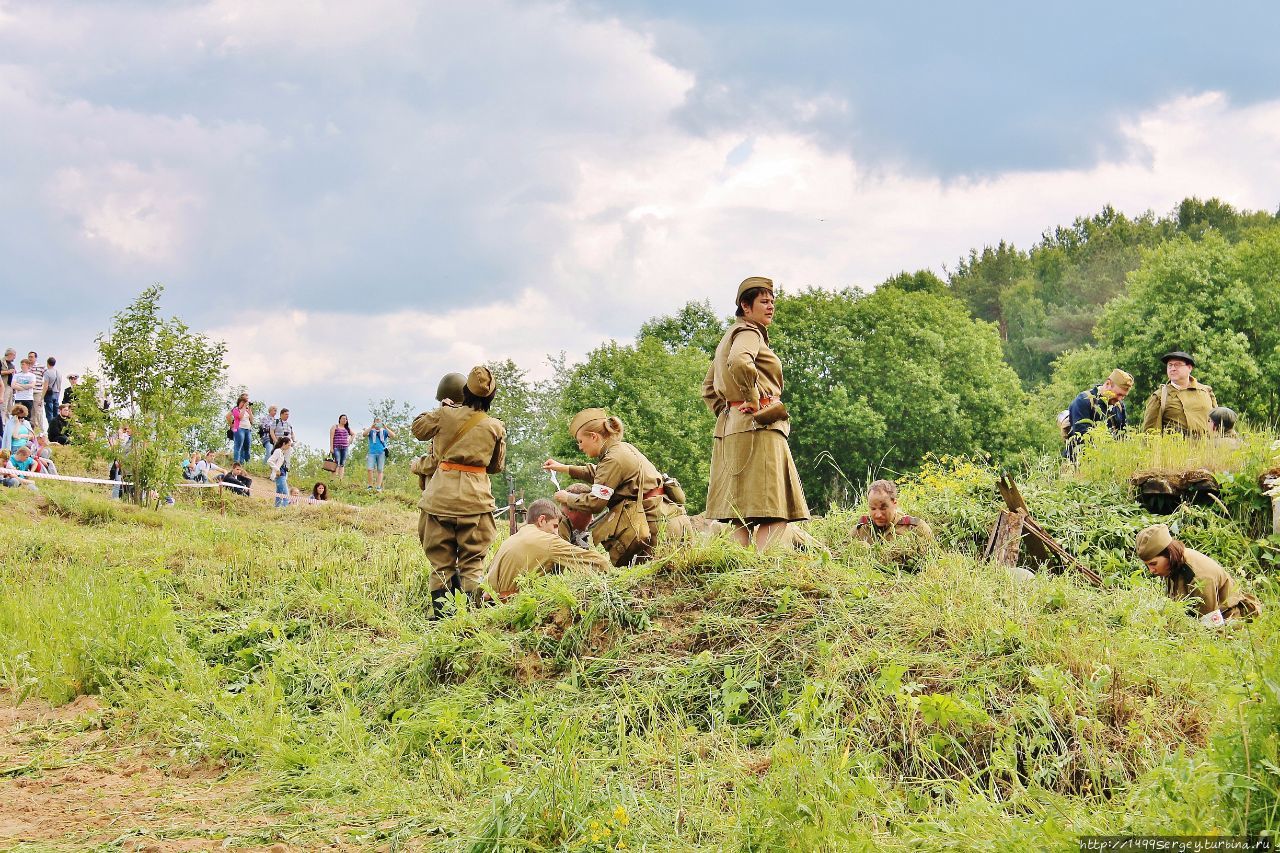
(1268, 484)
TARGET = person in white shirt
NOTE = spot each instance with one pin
(279, 464)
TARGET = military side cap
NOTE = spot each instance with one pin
(585, 418)
(754, 281)
(1224, 417)
(1153, 540)
(1180, 355)
(480, 381)
(450, 387)
(1121, 379)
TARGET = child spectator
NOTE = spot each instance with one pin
(44, 455)
(237, 479)
(24, 386)
(7, 479)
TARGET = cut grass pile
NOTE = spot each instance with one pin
(713, 699)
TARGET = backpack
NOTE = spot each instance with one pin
(1064, 423)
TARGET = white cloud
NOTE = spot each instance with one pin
(359, 198)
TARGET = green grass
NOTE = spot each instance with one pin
(713, 699)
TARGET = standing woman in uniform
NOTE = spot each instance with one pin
(455, 521)
(754, 485)
(625, 482)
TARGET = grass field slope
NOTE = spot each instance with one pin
(220, 674)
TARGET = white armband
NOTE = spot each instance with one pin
(601, 491)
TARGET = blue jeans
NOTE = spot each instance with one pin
(240, 453)
(266, 450)
(282, 490)
(340, 455)
(50, 407)
(376, 461)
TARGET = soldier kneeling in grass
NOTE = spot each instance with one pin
(535, 549)
(1211, 593)
(884, 520)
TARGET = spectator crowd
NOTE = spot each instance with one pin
(38, 416)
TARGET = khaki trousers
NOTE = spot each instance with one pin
(456, 546)
(36, 415)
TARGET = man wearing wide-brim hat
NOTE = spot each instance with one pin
(1182, 404)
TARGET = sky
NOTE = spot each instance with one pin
(360, 197)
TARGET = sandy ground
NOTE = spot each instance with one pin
(65, 786)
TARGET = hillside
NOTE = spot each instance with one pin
(270, 678)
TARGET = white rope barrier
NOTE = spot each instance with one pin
(14, 472)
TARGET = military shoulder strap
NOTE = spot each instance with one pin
(463, 430)
(864, 521)
(908, 521)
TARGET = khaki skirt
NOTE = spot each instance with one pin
(753, 477)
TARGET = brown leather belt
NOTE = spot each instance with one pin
(764, 401)
(466, 469)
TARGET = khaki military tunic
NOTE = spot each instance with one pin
(455, 520)
(1186, 409)
(753, 476)
(1212, 590)
(867, 531)
(622, 473)
(534, 551)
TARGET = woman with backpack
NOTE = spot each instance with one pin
(378, 436)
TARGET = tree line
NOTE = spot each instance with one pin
(877, 378)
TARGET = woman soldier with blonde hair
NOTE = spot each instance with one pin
(624, 481)
(754, 485)
(455, 521)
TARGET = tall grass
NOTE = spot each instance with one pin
(713, 699)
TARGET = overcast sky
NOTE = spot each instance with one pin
(359, 197)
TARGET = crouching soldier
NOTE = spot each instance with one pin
(884, 520)
(537, 549)
(1212, 593)
(623, 481)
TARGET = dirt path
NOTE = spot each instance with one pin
(65, 785)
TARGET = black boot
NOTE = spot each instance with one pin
(437, 601)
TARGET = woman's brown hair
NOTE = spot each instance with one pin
(749, 298)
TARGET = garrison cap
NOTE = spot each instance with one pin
(754, 281)
(1180, 355)
(480, 381)
(1153, 540)
(1224, 418)
(585, 418)
(1121, 379)
(450, 387)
